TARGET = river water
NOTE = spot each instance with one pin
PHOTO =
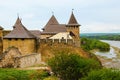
(110, 59)
(111, 53)
(112, 43)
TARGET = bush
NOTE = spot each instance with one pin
(71, 66)
(103, 74)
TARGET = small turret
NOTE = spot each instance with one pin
(52, 21)
(73, 28)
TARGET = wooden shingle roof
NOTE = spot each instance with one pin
(52, 21)
(19, 31)
(36, 32)
(72, 19)
(53, 26)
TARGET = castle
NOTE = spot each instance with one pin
(28, 41)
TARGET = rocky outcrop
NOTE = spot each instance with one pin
(27, 60)
(12, 58)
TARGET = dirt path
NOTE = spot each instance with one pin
(35, 68)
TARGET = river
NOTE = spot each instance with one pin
(110, 59)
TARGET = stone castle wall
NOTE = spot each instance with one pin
(57, 41)
(25, 46)
(75, 30)
(27, 60)
(12, 57)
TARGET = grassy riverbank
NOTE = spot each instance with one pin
(91, 44)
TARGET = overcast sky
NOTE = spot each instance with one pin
(95, 16)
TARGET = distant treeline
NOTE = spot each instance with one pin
(111, 36)
(90, 44)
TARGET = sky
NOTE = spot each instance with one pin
(94, 16)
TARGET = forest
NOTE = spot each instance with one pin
(102, 36)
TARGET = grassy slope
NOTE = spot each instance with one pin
(15, 74)
(48, 51)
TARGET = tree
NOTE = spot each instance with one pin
(71, 66)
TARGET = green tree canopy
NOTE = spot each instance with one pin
(71, 66)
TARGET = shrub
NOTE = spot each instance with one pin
(71, 66)
(103, 74)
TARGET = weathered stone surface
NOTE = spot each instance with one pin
(13, 58)
(25, 46)
(28, 60)
(7, 58)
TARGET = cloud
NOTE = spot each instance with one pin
(93, 15)
(100, 28)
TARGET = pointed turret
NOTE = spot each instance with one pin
(72, 19)
(52, 21)
(18, 21)
(73, 28)
(19, 31)
(20, 38)
(53, 26)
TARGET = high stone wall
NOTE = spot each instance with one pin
(25, 46)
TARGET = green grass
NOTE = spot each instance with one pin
(14, 74)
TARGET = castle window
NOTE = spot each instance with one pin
(62, 37)
(10, 39)
(74, 26)
(22, 39)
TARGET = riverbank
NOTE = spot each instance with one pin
(113, 62)
(117, 51)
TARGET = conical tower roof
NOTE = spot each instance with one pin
(72, 19)
(19, 31)
(52, 21)
(18, 21)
